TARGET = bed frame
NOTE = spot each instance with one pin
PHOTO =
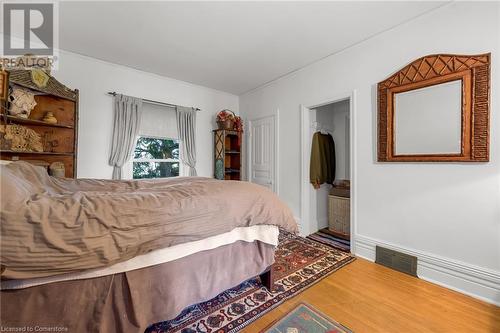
(267, 278)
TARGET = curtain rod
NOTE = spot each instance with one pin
(151, 101)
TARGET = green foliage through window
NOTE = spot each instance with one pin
(156, 158)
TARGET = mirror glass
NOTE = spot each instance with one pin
(428, 120)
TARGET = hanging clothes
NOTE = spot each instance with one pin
(322, 167)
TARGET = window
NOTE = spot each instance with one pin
(156, 158)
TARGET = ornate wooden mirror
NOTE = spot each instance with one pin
(436, 109)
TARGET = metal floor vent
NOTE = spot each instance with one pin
(396, 260)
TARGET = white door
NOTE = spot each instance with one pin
(262, 152)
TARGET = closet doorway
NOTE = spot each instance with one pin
(327, 211)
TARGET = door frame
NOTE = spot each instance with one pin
(305, 144)
(275, 151)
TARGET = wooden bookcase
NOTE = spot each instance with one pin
(227, 160)
(60, 141)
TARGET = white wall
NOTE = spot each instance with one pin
(334, 116)
(448, 214)
(94, 78)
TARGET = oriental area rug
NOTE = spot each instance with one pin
(299, 263)
(304, 318)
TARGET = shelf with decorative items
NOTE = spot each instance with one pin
(39, 121)
(19, 120)
(3, 151)
(227, 146)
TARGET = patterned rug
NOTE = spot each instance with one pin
(326, 238)
(304, 318)
(299, 263)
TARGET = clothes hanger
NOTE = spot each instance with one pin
(317, 126)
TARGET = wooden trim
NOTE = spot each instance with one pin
(480, 112)
(473, 71)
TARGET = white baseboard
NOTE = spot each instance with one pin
(478, 282)
(323, 223)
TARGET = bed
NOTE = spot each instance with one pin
(116, 256)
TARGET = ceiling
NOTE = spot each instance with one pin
(229, 46)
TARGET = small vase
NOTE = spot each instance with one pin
(49, 118)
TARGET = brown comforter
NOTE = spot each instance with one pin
(51, 226)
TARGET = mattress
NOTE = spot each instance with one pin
(265, 233)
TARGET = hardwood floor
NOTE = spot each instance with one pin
(371, 298)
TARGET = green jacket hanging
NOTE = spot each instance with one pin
(322, 167)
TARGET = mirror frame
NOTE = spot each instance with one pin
(473, 71)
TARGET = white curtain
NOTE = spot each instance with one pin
(126, 124)
(186, 127)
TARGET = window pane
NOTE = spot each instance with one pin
(155, 169)
(153, 148)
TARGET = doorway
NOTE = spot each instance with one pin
(328, 210)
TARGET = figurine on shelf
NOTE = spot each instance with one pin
(49, 118)
(21, 102)
(20, 138)
(48, 142)
(56, 169)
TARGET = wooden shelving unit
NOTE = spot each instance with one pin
(59, 140)
(33, 152)
(227, 148)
